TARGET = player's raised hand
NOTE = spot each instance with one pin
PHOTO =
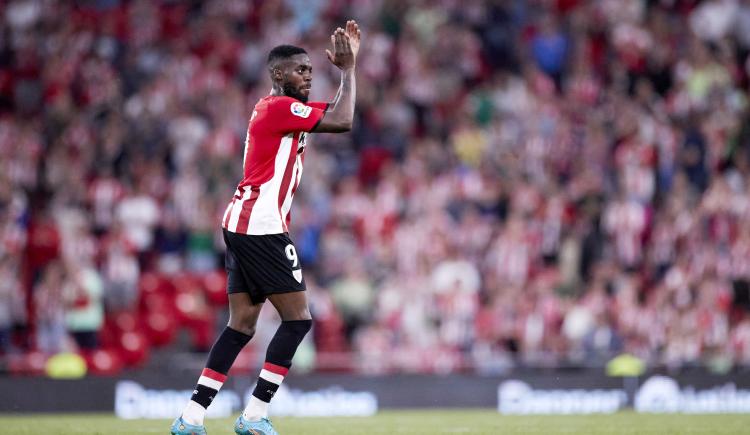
(352, 31)
(342, 56)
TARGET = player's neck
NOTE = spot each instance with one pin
(277, 91)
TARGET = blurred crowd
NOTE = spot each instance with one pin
(540, 182)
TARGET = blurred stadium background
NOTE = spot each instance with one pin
(536, 195)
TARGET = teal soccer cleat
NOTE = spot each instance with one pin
(260, 427)
(180, 427)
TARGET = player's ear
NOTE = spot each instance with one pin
(277, 74)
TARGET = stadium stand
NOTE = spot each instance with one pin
(528, 183)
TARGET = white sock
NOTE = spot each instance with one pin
(212, 381)
(194, 413)
(255, 409)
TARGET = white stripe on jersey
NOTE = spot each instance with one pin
(265, 216)
(227, 211)
(234, 218)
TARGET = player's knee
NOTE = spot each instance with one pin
(245, 328)
(243, 322)
(304, 315)
(295, 314)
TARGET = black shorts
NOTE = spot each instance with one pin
(262, 265)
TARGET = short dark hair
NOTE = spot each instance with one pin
(283, 52)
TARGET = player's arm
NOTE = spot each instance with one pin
(335, 98)
(326, 105)
(340, 114)
(340, 117)
(352, 30)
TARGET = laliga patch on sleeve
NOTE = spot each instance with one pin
(299, 109)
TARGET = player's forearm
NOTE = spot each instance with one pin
(336, 97)
(342, 114)
(347, 93)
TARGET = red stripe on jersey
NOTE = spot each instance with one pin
(216, 376)
(297, 178)
(247, 209)
(294, 189)
(288, 175)
(273, 368)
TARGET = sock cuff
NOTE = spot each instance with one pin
(297, 322)
(298, 326)
(237, 336)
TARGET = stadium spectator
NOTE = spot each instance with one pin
(50, 310)
(12, 303)
(83, 298)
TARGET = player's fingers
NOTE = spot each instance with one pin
(340, 37)
(330, 56)
(338, 45)
(336, 42)
(353, 32)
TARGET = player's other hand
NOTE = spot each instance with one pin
(352, 31)
(345, 46)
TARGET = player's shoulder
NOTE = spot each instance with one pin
(279, 100)
(281, 104)
(270, 105)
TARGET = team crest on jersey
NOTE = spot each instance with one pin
(299, 109)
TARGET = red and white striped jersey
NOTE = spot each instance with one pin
(272, 165)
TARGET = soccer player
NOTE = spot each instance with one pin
(261, 260)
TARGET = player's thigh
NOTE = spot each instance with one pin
(269, 263)
(239, 274)
(278, 268)
(243, 313)
(291, 306)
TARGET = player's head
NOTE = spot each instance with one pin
(291, 71)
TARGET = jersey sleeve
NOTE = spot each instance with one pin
(290, 115)
(322, 105)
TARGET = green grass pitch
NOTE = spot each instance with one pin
(402, 422)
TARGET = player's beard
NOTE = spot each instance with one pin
(291, 91)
